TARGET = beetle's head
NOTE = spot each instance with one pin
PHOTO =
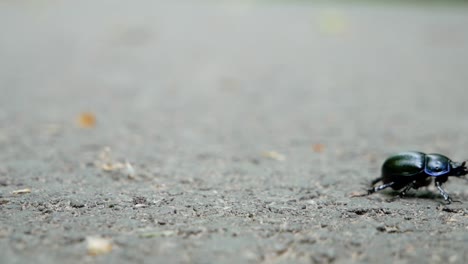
(459, 168)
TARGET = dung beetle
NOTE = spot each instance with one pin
(414, 169)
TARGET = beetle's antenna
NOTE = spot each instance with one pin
(460, 169)
(374, 181)
(464, 171)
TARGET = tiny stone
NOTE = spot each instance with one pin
(381, 228)
(76, 204)
(280, 248)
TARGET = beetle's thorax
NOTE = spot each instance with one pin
(437, 165)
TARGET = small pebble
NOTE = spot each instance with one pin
(98, 245)
(76, 204)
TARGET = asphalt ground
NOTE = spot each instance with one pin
(227, 132)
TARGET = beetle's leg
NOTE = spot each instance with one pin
(442, 192)
(379, 188)
(373, 182)
(409, 186)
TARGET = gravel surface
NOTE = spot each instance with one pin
(227, 133)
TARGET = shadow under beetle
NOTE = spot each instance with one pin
(413, 169)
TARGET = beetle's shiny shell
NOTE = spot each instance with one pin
(404, 164)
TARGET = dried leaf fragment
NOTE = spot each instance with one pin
(86, 120)
(111, 166)
(22, 191)
(274, 155)
(319, 148)
(106, 163)
(129, 170)
(98, 246)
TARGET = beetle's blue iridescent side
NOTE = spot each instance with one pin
(414, 169)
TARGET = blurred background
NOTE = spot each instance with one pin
(353, 76)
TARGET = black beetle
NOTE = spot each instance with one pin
(414, 169)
